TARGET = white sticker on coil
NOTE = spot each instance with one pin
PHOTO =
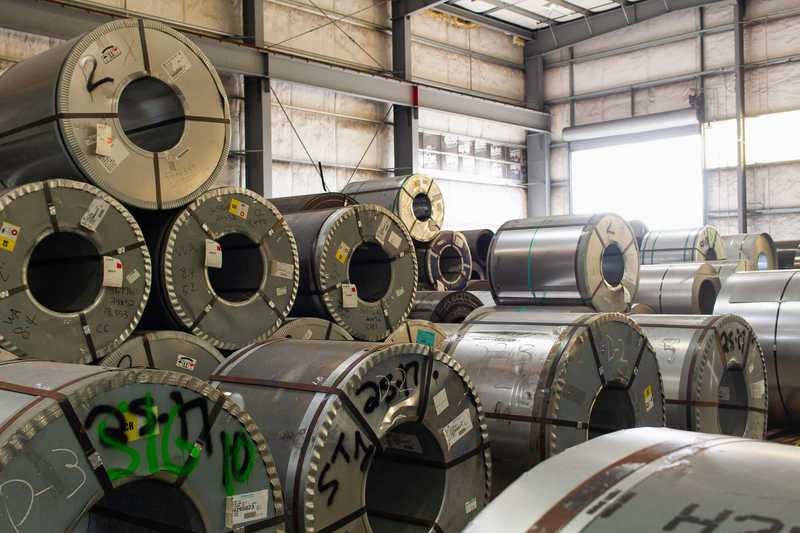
(757, 389)
(117, 153)
(403, 442)
(440, 401)
(177, 65)
(349, 296)
(94, 214)
(455, 430)
(186, 363)
(470, 505)
(104, 140)
(112, 272)
(247, 507)
(280, 269)
(307, 335)
(395, 240)
(383, 229)
(399, 292)
(132, 276)
(281, 291)
(213, 256)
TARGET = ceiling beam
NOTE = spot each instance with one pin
(500, 5)
(490, 22)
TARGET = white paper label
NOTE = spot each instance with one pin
(94, 215)
(349, 296)
(395, 240)
(117, 153)
(104, 142)
(238, 208)
(112, 272)
(402, 441)
(470, 505)
(281, 291)
(185, 362)
(132, 276)
(248, 507)
(383, 229)
(177, 65)
(457, 428)
(307, 335)
(281, 270)
(213, 254)
(440, 401)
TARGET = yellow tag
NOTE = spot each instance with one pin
(238, 208)
(133, 423)
(648, 398)
(8, 236)
(343, 252)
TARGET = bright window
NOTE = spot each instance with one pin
(769, 139)
(658, 182)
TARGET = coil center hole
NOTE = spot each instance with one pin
(242, 269)
(151, 114)
(394, 483)
(611, 411)
(450, 264)
(733, 393)
(145, 505)
(65, 272)
(707, 296)
(612, 265)
(370, 269)
(422, 207)
(761, 262)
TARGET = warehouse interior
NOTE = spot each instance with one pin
(399, 265)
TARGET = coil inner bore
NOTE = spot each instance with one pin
(242, 269)
(370, 269)
(450, 263)
(711, 255)
(145, 505)
(421, 205)
(613, 265)
(611, 411)
(707, 296)
(151, 114)
(732, 396)
(761, 262)
(393, 484)
(65, 272)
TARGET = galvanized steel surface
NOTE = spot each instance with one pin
(565, 260)
(368, 437)
(132, 106)
(713, 371)
(308, 328)
(650, 479)
(479, 242)
(74, 272)
(160, 448)
(551, 380)
(167, 350)
(310, 202)
(419, 332)
(416, 200)
(756, 249)
(726, 268)
(770, 302)
(444, 307)
(445, 263)
(246, 299)
(358, 269)
(683, 246)
(681, 288)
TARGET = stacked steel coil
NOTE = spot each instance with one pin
(758, 250)
(133, 107)
(552, 379)
(419, 332)
(639, 230)
(726, 268)
(713, 371)
(90, 449)
(650, 479)
(442, 307)
(367, 437)
(310, 328)
(683, 246)
(682, 288)
(311, 202)
(565, 260)
(445, 263)
(479, 242)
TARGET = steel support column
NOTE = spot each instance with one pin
(741, 161)
(538, 144)
(257, 107)
(406, 118)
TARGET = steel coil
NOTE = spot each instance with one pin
(756, 249)
(315, 329)
(368, 437)
(358, 269)
(726, 268)
(683, 246)
(445, 263)
(650, 479)
(311, 202)
(444, 307)
(787, 258)
(133, 107)
(550, 380)
(419, 332)
(682, 288)
(641, 309)
(98, 450)
(479, 242)
(166, 350)
(74, 272)
(226, 268)
(565, 260)
(713, 372)
(770, 302)
(416, 200)
(639, 231)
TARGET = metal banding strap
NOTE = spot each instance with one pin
(206, 309)
(343, 521)
(145, 55)
(328, 330)
(270, 304)
(425, 388)
(203, 225)
(57, 116)
(592, 488)
(661, 288)
(94, 459)
(87, 334)
(148, 352)
(259, 526)
(51, 208)
(635, 369)
(543, 420)
(404, 458)
(386, 320)
(701, 403)
(430, 524)
(12, 292)
(596, 356)
(123, 249)
(200, 442)
(157, 178)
